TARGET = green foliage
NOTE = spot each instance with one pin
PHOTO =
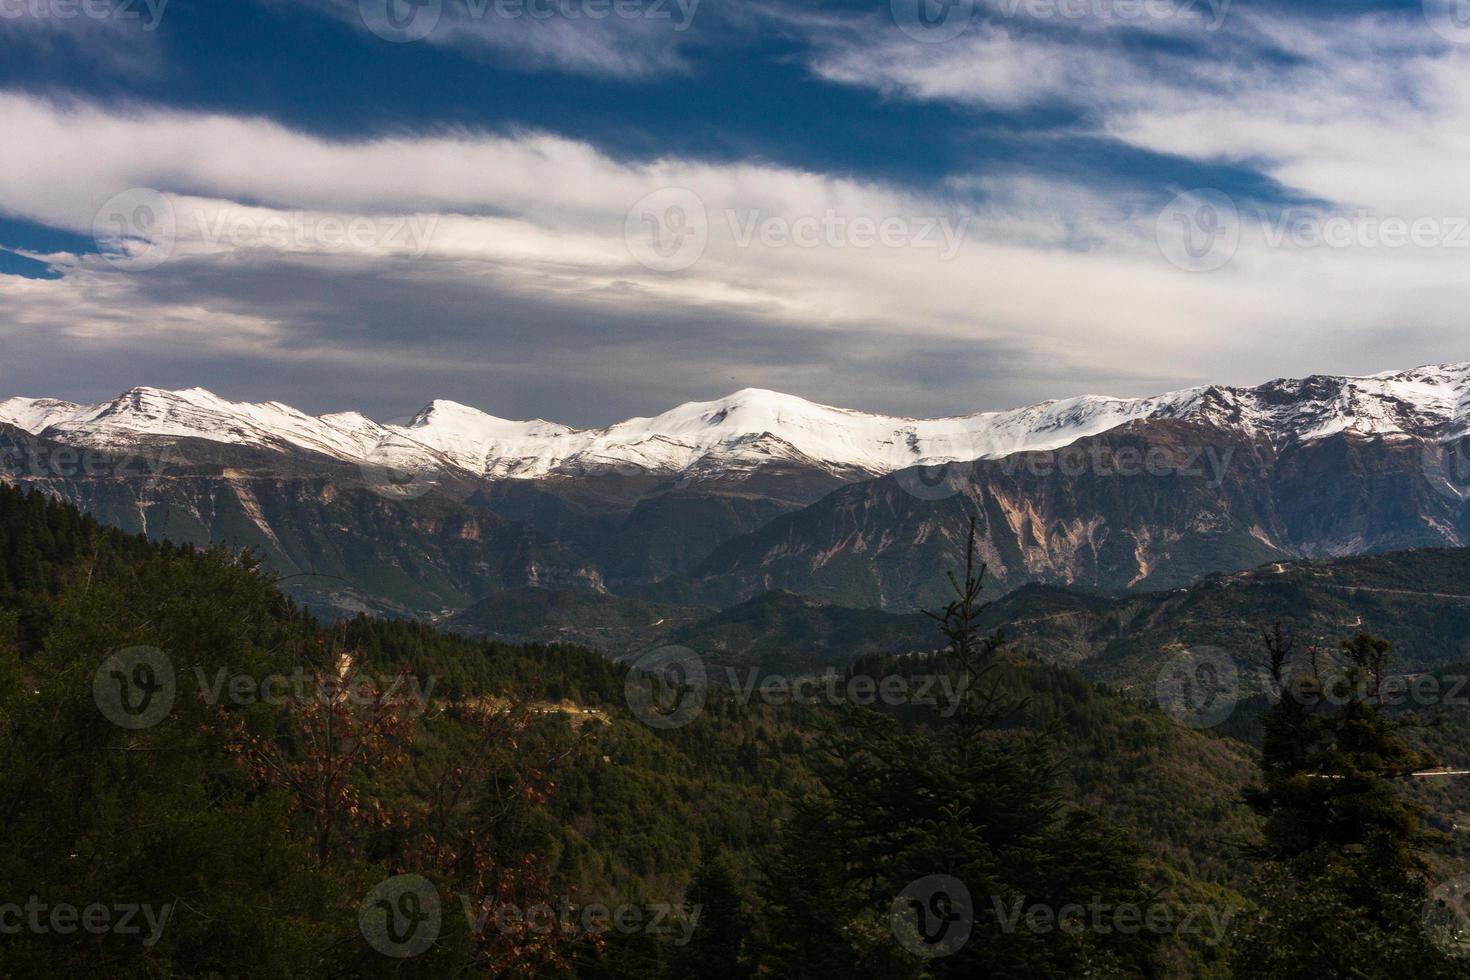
(789, 829)
(1341, 889)
(959, 797)
(720, 948)
(216, 812)
(1416, 596)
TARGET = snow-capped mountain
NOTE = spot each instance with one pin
(150, 413)
(762, 490)
(754, 426)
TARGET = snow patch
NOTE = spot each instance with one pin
(754, 426)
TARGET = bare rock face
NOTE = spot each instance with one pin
(716, 502)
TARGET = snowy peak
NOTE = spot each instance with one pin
(35, 414)
(153, 414)
(483, 443)
(461, 420)
(1424, 401)
(755, 426)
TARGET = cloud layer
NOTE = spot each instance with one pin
(502, 268)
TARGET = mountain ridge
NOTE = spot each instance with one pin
(707, 506)
(754, 426)
(1121, 639)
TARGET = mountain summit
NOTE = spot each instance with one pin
(753, 426)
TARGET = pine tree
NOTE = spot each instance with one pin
(907, 797)
(717, 947)
(1341, 888)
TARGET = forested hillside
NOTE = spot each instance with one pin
(180, 738)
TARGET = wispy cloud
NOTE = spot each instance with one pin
(1333, 109)
(627, 39)
(475, 255)
(118, 36)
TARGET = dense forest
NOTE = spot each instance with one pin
(201, 780)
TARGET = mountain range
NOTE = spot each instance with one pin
(1419, 599)
(754, 427)
(712, 504)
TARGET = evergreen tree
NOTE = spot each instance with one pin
(907, 798)
(717, 947)
(1341, 890)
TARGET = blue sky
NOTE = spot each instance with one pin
(589, 209)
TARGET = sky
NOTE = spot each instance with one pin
(585, 210)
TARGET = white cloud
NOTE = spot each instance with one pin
(1072, 275)
(1337, 110)
(119, 37)
(990, 66)
(602, 38)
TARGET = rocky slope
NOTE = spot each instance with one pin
(754, 428)
(1214, 499)
(714, 503)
